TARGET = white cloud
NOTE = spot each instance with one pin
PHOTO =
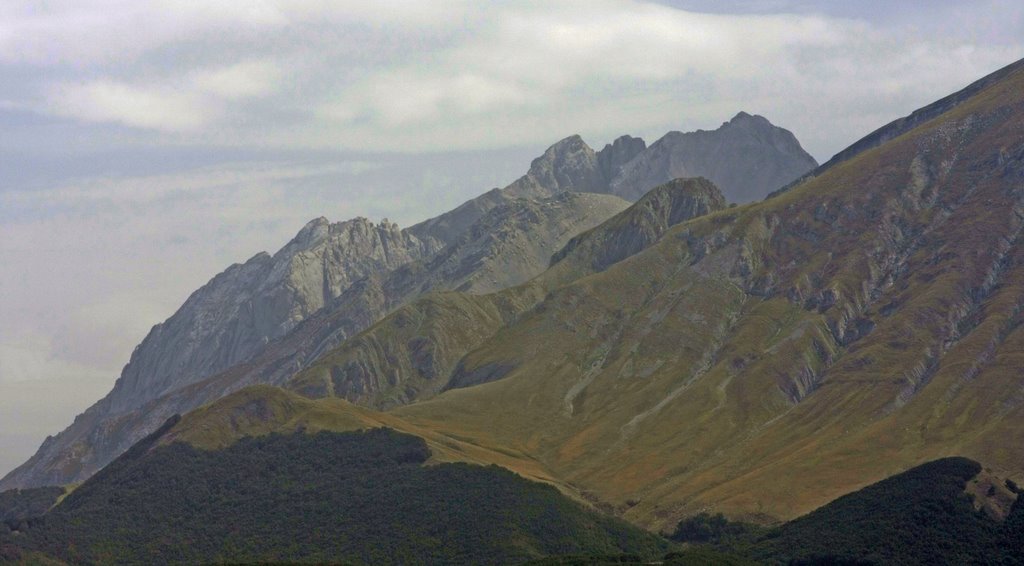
(99, 32)
(183, 104)
(158, 108)
(420, 76)
(606, 68)
(242, 80)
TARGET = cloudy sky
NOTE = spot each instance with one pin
(146, 145)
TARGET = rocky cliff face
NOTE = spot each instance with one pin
(225, 322)
(747, 158)
(615, 155)
(237, 312)
(514, 242)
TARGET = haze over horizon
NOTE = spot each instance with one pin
(149, 145)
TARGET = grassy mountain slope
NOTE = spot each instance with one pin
(417, 351)
(263, 409)
(358, 498)
(863, 322)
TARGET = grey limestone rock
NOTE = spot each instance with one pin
(618, 153)
(241, 309)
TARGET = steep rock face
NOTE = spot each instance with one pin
(507, 246)
(513, 243)
(569, 165)
(448, 227)
(747, 158)
(618, 153)
(225, 322)
(237, 312)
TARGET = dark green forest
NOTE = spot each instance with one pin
(368, 498)
(19, 505)
(359, 498)
(922, 516)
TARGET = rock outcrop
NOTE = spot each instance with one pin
(618, 153)
(569, 165)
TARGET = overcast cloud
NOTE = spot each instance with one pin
(147, 145)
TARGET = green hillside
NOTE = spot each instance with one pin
(17, 505)
(359, 498)
(922, 516)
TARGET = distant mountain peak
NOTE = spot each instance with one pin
(747, 157)
(313, 232)
(568, 165)
(571, 145)
(744, 119)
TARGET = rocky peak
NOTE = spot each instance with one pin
(569, 165)
(742, 118)
(747, 157)
(618, 153)
(313, 231)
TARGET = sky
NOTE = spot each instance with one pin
(147, 145)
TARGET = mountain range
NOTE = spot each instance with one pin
(632, 338)
(265, 319)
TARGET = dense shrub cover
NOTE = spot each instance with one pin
(368, 498)
(716, 531)
(361, 498)
(921, 516)
(18, 505)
